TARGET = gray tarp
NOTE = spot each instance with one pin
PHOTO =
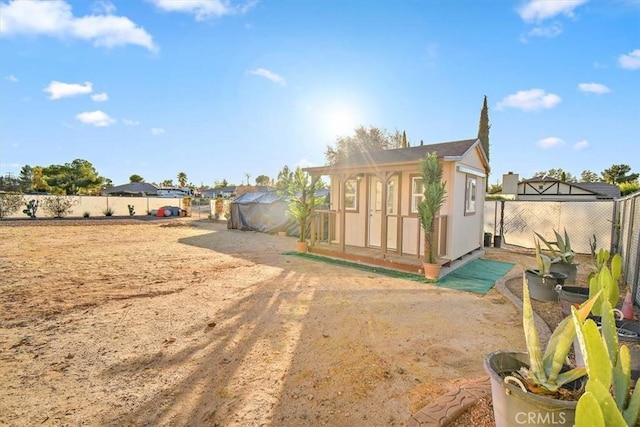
(265, 212)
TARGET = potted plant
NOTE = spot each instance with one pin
(302, 200)
(434, 194)
(562, 255)
(542, 281)
(535, 388)
(610, 398)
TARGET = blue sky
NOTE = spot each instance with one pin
(219, 88)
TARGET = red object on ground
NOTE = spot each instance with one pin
(160, 212)
(627, 306)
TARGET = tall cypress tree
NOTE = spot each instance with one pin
(483, 129)
(404, 140)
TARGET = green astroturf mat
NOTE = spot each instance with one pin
(477, 276)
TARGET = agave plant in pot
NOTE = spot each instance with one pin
(434, 194)
(562, 255)
(532, 388)
(542, 281)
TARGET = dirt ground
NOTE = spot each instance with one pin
(183, 322)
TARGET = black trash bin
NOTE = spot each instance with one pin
(497, 241)
(487, 239)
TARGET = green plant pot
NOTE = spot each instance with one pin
(571, 270)
(513, 407)
(543, 288)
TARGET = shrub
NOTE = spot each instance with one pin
(108, 211)
(86, 214)
(59, 206)
(9, 203)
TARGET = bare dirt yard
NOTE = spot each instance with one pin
(183, 322)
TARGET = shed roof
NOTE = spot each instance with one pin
(451, 151)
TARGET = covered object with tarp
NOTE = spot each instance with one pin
(265, 212)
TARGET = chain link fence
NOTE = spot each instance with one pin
(615, 226)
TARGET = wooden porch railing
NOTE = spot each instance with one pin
(325, 220)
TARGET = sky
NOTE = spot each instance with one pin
(225, 89)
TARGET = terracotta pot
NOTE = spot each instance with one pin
(431, 271)
(301, 247)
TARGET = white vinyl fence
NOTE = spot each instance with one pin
(97, 205)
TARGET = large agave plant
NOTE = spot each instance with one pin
(544, 376)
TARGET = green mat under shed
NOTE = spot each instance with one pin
(477, 276)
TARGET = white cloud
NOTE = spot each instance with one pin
(269, 75)
(550, 142)
(529, 100)
(594, 88)
(581, 145)
(630, 61)
(549, 31)
(100, 97)
(95, 118)
(157, 131)
(57, 90)
(539, 10)
(12, 78)
(204, 9)
(55, 19)
(103, 7)
(128, 122)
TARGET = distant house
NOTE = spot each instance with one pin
(131, 189)
(546, 188)
(224, 192)
(375, 195)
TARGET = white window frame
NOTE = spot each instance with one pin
(416, 198)
(471, 195)
(351, 195)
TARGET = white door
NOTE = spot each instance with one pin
(375, 211)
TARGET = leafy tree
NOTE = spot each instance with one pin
(106, 183)
(39, 183)
(558, 174)
(219, 184)
(284, 178)
(363, 140)
(495, 188)
(9, 183)
(588, 176)
(26, 179)
(483, 128)
(618, 174)
(263, 180)
(167, 183)
(136, 178)
(628, 187)
(77, 177)
(182, 179)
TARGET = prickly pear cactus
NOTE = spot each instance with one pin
(31, 208)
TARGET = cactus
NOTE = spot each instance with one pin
(543, 372)
(608, 399)
(131, 210)
(31, 208)
(606, 280)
